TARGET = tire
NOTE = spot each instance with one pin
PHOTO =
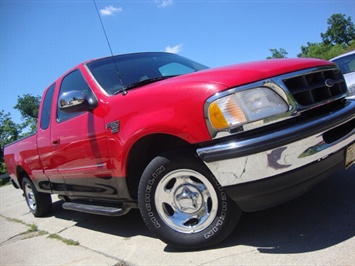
(40, 204)
(183, 204)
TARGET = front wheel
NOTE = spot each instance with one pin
(40, 204)
(183, 204)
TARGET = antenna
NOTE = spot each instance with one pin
(109, 46)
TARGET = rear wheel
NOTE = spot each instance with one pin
(40, 204)
(183, 204)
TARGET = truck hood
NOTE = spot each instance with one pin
(239, 74)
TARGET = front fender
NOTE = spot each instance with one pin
(177, 111)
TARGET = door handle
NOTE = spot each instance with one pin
(56, 142)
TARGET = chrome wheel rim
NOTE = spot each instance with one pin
(186, 201)
(30, 197)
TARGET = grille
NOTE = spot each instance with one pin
(310, 89)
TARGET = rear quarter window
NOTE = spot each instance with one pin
(46, 108)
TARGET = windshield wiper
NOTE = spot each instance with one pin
(143, 82)
(146, 82)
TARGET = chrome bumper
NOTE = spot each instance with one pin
(279, 152)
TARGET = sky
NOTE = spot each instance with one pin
(42, 39)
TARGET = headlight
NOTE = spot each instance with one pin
(245, 106)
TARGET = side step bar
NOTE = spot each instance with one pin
(100, 210)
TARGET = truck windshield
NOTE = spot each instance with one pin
(136, 68)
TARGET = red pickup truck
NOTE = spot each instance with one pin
(191, 147)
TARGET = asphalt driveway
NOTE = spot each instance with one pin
(315, 229)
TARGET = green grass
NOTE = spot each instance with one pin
(33, 231)
(69, 242)
(33, 228)
(15, 220)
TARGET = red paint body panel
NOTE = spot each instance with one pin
(175, 110)
(83, 148)
(240, 74)
(24, 154)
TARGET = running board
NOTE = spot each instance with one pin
(95, 209)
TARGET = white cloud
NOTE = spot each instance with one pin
(110, 10)
(164, 3)
(175, 49)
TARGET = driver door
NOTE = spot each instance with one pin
(80, 150)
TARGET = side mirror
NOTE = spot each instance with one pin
(75, 101)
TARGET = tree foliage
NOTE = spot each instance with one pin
(324, 50)
(338, 39)
(277, 53)
(28, 106)
(340, 30)
(10, 131)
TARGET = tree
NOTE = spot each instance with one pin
(340, 30)
(9, 132)
(280, 53)
(28, 106)
(338, 39)
(325, 51)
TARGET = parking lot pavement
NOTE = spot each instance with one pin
(315, 229)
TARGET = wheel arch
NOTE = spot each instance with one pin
(20, 175)
(145, 150)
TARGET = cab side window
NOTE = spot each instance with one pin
(46, 108)
(74, 81)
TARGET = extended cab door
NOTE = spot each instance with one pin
(80, 150)
(45, 147)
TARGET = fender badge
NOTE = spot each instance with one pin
(114, 126)
(329, 83)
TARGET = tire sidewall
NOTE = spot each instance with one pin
(214, 233)
(43, 200)
(27, 182)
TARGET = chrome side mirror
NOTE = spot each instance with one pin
(75, 101)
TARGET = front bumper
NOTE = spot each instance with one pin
(302, 146)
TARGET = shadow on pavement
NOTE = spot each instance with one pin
(127, 225)
(323, 217)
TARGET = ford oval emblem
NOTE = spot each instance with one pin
(329, 83)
